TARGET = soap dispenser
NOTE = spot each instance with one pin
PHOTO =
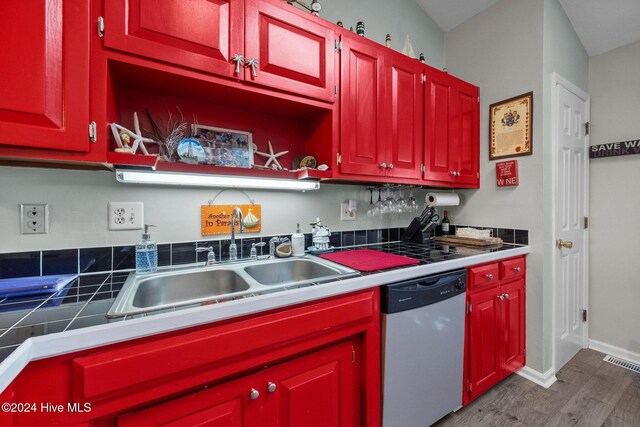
(297, 243)
(146, 253)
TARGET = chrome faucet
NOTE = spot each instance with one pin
(211, 255)
(233, 248)
(272, 247)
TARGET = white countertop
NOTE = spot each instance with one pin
(45, 346)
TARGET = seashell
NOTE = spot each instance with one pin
(323, 167)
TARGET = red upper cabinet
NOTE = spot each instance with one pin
(259, 41)
(405, 90)
(293, 53)
(452, 139)
(381, 112)
(199, 34)
(363, 124)
(44, 64)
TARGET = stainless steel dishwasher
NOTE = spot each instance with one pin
(422, 349)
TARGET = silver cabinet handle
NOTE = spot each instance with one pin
(501, 297)
(239, 60)
(253, 63)
(506, 296)
(383, 165)
(390, 165)
(254, 394)
(517, 269)
(489, 276)
(271, 387)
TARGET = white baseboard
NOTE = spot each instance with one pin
(618, 352)
(545, 379)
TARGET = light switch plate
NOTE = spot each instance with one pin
(126, 215)
(34, 218)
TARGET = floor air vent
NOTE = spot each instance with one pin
(623, 363)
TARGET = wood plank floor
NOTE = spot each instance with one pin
(589, 392)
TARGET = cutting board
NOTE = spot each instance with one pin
(369, 260)
(456, 240)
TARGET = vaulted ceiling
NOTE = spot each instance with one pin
(602, 25)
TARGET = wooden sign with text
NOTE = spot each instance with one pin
(507, 173)
(216, 219)
(615, 149)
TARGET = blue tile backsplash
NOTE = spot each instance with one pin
(90, 261)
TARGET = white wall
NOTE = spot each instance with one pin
(500, 50)
(397, 17)
(614, 287)
(78, 203)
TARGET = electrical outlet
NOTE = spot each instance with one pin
(346, 214)
(126, 215)
(34, 218)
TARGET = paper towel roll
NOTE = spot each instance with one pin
(442, 199)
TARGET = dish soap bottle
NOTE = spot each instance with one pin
(146, 253)
(297, 242)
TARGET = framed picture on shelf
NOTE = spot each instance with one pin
(225, 147)
(510, 127)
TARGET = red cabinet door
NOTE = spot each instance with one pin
(44, 64)
(199, 34)
(312, 390)
(294, 54)
(486, 338)
(466, 140)
(438, 127)
(406, 102)
(226, 405)
(513, 307)
(362, 111)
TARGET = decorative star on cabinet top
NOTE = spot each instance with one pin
(271, 157)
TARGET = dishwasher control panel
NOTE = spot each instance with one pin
(423, 291)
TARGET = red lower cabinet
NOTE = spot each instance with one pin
(313, 365)
(495, 341)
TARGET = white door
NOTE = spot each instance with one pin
(571, 189)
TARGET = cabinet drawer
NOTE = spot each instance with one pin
(512, 268)
(486, 275)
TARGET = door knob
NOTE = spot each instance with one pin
(254, 394)
(271, 387)
(390, 165)
(383, 165)
(490, 276)
(564, 244)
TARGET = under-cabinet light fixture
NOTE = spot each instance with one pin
(221, 181)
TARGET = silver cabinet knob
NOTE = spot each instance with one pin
(383, 165)
(517, 269)
(490, 276)
(254, 394)
(390, 165)
(506, 296)
(271, 387)
(501, 297)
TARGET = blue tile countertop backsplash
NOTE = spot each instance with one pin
(102, 272)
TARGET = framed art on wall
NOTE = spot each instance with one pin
(510, 127)
(225, 147)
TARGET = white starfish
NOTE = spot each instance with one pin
(138, 139)
(271, 157)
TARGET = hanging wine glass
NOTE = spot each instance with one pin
(372, 206)
(413, 203)
(379, 206)
(388, 201)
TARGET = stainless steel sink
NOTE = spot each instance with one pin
(143, 293)
(163, 290)
(292, 270)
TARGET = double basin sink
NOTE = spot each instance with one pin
(143, 293)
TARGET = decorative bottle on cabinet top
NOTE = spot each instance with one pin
(146, 253)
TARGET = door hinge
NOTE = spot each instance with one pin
(587, 128)
(337, 47)
(338, 159)
(422, 168)
(469, 308)
(477, 174)
(424, 78)
(584, 315)
(585, 225)
(100, 26)
(478, 99)
(92, 132)
(335, 91)
(353, 354)
(469, 388)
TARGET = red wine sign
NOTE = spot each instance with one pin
(507, 173)
(615, 149)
